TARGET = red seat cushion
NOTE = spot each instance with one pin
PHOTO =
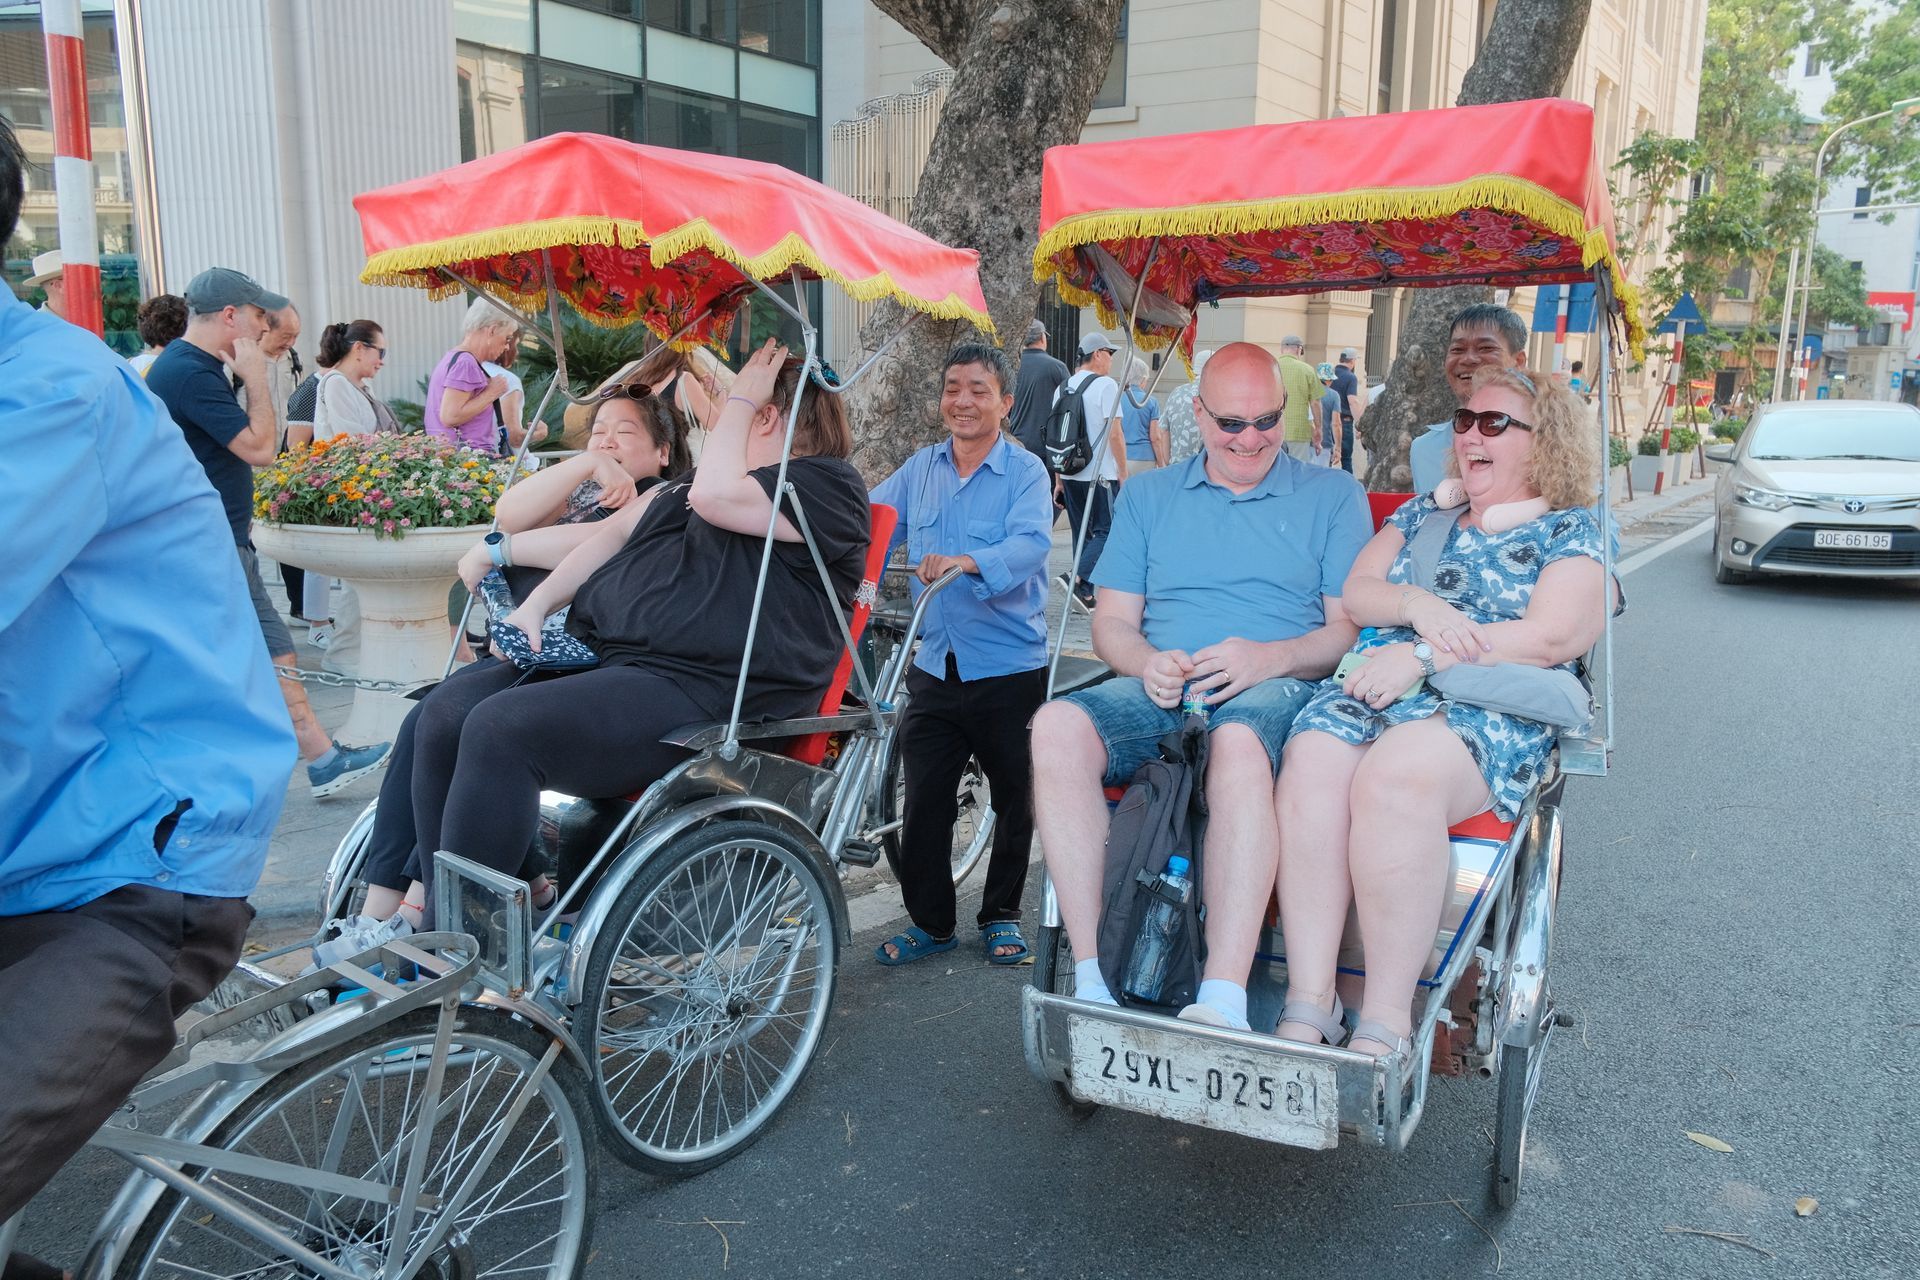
(1383, 505)
(812, 748)
(1483, 826)
(1113, 794)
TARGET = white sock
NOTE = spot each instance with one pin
(1230, 998)
(1088, 984)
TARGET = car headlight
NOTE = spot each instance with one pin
(1766, 499)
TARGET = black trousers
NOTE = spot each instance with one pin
(471, 760)
(946, 721)
(87, 1003)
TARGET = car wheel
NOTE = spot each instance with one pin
(1723, 574)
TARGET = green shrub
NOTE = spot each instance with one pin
(1617, 452)
(1729, 428)
(1684, 440)
(1649, 446)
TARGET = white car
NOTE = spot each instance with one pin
(1820, 486)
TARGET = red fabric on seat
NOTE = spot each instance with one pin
(1483, 826)
(1113, 794)
(812, 748)
(1384, 505)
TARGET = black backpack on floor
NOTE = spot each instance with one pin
(1162, 814)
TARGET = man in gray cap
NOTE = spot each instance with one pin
(1347, 384)
(1302, 407)
(1090, 491)
(1039, 377)
(226, 319)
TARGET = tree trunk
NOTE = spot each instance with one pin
(1026, 72)
(1529, 51)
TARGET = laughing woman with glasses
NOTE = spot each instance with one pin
(1379, 765)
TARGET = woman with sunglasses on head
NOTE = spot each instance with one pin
(663, 592)
(350, 355)
(1379, 765)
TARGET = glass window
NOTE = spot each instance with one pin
(778, 138)
(498, 24)
(1862, 197)
(1788, 434)
(618, 8)
(577, 101)
(708, 19)
(687, 63)
(773, 83)
(589, 39)
(689, 121)
(1113, 89)
(493, 100)
(783, 28)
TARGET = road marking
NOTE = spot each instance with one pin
(1641, 559)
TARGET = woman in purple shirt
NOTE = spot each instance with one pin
(460, 395)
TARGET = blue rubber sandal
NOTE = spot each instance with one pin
(1003, 933)
(914, 944)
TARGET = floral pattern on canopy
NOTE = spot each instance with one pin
(1504, 195)
(650, 235)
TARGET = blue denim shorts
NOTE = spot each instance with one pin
(1131, 726)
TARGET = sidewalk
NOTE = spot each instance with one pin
(289, 893)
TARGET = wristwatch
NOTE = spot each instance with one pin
(497, 549)
(1423, 654)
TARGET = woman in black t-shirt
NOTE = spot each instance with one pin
(663, 592)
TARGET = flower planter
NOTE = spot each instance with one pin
(1617, 484)
(403, 586)
(1679, 468)
(1645, 468)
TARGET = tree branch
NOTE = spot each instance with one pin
(941, 25)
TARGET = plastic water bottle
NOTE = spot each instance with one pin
(1160, 928)
(1193, 702)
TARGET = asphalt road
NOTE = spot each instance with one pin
(1735, 938)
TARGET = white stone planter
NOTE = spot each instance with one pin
(1617, 484)
(403, 586)
(1679, 468)
(1645, 467)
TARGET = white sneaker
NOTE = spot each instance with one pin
(360, 934)
(1207, 1015)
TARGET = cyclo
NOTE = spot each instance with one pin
(1506, 195)
(695, 981)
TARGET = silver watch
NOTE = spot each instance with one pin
(1423, 654)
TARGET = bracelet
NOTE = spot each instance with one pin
(751, 406)
(1410, 591)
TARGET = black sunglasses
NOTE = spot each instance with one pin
(1490, 423)
(632, 391)
(1234, 426)
(379, 351)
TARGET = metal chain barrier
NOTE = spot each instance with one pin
(337, 681)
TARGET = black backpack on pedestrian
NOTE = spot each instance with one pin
(1067, 446)
(1162, 813)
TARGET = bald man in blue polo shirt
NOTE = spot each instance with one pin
(1225, 572)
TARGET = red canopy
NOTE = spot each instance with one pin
(651, 234)
(1504, 195)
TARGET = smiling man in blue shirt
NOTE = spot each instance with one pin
(980, 503)
(144, 752)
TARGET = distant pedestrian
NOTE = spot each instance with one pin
(160, 320)
(512, 405)
(1352, 399)
(227, 317)
(343, 405)
(1090, 491)
(50, 276)
(461, 394)
(1301, 419)
(1327, 439)
(1183, 430)
(1140, 422)
(283, 368)
(1040, 375)
(1576, 379)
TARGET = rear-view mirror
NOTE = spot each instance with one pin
(1719, 453)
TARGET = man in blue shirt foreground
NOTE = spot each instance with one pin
(980, 503)
(144, 752)
(1225, 572)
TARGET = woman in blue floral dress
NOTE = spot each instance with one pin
(1371, 782)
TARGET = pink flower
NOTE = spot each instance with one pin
(405, 523)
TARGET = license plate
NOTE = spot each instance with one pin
(1849, 540)
(1274, 1097)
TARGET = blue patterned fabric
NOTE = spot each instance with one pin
(1490, 578)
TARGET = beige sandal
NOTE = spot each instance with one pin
(1331, 1025)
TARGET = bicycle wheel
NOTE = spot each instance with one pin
(706, 993)
(355, 1111)
(1519, 1083)
(1053, 974)
(972, 826)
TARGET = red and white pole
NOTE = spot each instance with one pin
(60, 21)
(1560, 329)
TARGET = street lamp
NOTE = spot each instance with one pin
(1906, 108)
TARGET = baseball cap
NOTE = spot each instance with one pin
(217, 288)
(46, 267)
(1035, 332)
(1295, 341)
(1096, 341)
(1325, 371)
(1348, 354)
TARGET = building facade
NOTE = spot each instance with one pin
(237, 132)
(1187, 65)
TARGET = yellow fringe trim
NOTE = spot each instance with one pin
(1506, 192)
(417, 264)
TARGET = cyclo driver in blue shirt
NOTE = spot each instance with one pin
(980, 503)
(144, 747)
(1224, 571)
